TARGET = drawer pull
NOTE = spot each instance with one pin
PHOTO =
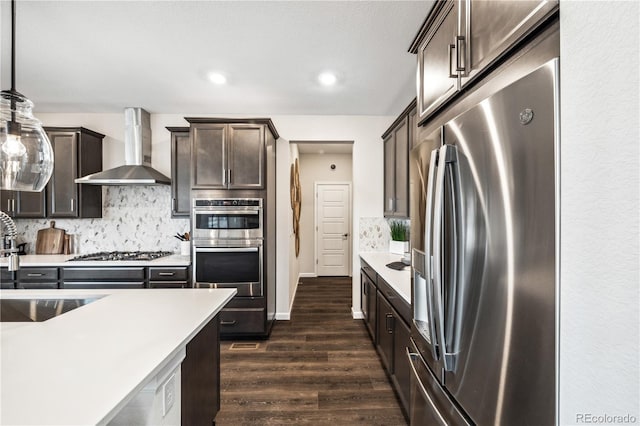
(229, 323)
(166, 274)
(35, 274)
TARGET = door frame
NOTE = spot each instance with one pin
(349, 221)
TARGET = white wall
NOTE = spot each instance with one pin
(316, 168)
(365, 132)
(284, 186)
(599, 277)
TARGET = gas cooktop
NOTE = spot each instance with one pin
(122, 255)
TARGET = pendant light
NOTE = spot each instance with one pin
(26, 156)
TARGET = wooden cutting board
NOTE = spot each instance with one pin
(50, 240)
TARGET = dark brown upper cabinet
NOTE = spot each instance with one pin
(398, 140)
(77, 152)
(180, 171)
(228, 153)
(461, 40)
(20, 204)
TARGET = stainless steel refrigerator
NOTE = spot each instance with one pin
(483, 211)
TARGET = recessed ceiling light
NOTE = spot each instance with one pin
(327, 79)
(217, 78)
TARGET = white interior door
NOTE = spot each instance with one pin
(333, 229)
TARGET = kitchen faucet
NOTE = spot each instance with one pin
(10, 233)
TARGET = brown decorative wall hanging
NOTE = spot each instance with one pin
(296, 202)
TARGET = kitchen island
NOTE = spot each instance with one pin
(84, 366)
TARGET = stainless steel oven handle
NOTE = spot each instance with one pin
(225, 249)
(228, 212)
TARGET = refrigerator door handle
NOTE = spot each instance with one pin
(413, 358)
(454, 297)
(437, 251)
(428, 258)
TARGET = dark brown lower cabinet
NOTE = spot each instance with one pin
(97, 277)
(169, 277)
(37, 278)
(385, 341)
(401, 366)
(386, 316)
(7, 279)
(369, 305)
(238, 321)
(200, 385)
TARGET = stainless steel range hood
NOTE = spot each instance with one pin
(137, 156)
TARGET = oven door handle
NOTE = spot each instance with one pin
(226, 249)
(228, 212)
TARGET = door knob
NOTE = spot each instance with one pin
(345, 235)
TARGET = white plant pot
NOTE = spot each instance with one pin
(398, 247)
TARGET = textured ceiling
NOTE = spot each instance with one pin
(101, 56)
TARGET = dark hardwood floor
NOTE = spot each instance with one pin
(319, 368)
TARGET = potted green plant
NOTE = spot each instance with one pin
(399, 243)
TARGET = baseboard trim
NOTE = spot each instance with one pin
(357, 314)
(286, 316)
(283, 316)
(307, 275)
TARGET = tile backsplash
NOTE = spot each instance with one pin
(133, 218)
(375, 234)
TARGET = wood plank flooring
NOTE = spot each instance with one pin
(319, 368)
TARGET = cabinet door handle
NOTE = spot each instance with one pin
(13, 205)
(173, 204)
(451, 74)
(166, 274)
(389, 323)
(224, 176)
(35, 274)
(459, 57)
(73, 204)
(229, 180)
(234, 322)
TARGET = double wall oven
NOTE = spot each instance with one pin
(228, 235)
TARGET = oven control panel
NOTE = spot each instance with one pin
(224, 202)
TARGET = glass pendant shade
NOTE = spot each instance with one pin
(26, 156)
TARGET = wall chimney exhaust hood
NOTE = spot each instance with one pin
(137, 156)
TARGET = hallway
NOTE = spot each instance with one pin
(319, 368)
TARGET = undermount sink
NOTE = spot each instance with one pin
(38, 309)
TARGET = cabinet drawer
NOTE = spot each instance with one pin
(168, 284)
(242, 321)
(39, 274)
(371, 273)
(37, 285)
(103, 284)
(399, 304)
(6, 275)
(169, 274)
(103, 274)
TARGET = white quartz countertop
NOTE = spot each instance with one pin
(63, 260)
(82, 367)
(400, 281)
